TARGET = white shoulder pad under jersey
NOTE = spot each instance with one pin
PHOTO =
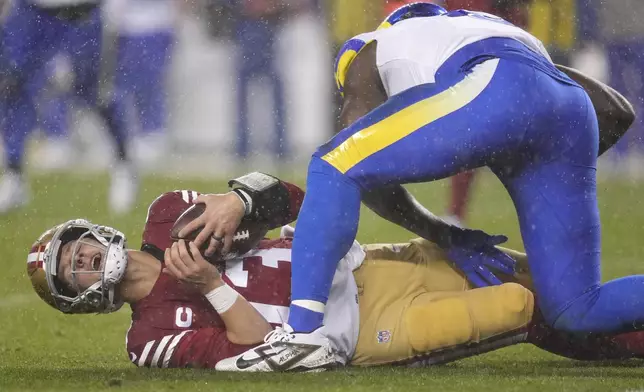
(410, 52)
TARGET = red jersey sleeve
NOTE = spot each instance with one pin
(200, 348)
(162, 214)
(281, 208)
(205, 347)
(296, 196)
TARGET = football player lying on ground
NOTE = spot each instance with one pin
(415, 306)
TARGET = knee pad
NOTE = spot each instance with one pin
(467, 317)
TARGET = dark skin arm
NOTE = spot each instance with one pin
(363, 92)
(614, 113)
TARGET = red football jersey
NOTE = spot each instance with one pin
(175, 325)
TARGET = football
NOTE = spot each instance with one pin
(246, 237)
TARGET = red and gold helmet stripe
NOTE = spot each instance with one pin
(36, 257)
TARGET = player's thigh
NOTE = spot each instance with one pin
(385, 289)
(154, 48)
(439, 320)
(389, 279)
(383, 282)
(555, 197)
(435, 321)
(437, 271)
(556, 205)
(417, 251)
(422, 259)
(30, 38)
(432, 131)
(84, 43)
(381, 338)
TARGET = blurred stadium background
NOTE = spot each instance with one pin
(202, 80)
(215, 51)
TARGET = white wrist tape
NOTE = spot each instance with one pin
(222, 298)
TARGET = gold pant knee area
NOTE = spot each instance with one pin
(445, 319)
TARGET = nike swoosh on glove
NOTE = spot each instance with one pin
(474, 252)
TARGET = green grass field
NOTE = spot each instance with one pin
(43, 350)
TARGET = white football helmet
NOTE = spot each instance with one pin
(44, 259)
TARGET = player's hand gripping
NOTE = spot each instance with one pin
(474, 252)
(221, 218)
(184, 262)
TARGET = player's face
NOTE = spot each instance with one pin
(81, 263)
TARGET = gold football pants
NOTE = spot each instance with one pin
(413, 302)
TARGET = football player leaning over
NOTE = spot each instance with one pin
(389, 303)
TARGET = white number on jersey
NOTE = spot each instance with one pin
(238, 273)
(183, 318)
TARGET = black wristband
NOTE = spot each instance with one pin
(269, 197)
(246, 199)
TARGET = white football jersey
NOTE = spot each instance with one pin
(342, 315)
(410, 52)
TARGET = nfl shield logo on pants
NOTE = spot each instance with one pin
(383, 336)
